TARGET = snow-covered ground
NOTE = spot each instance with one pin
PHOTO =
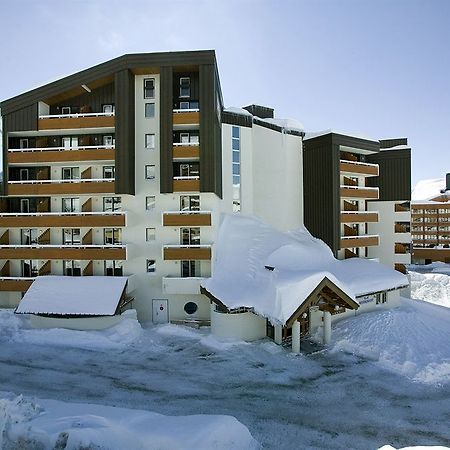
(338, 398)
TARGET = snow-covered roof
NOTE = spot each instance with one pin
(312, 135)
(240, 111)
(428, 189)
(63, 295)
(245, 246)
(286, 124)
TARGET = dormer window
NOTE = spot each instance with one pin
(185, 87)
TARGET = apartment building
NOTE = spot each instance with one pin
(124, 169)
(431, 223)
(356, 194)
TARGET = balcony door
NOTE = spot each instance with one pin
(190, 236)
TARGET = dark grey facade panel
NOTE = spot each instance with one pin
(166, 125)
(356, 142)
(262, 112)
(131, 61)
(394, 178)
(210, 132)
(237, 119)
(95, 99)
(125, 133)
(322, 190)
(388, 143)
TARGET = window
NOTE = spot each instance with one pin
(113, 268)
(190, 203)
(29, 236)
(151, 266)
(236, 167)
(70, 204)
(150, 234)
(149, 110)
(108, 172)
(70, 173)
(150, 202)
(24, 205)
(71, 236)
(184, 138)
(23, 143)
(23, 174)
(184, 105)
(190, 236)
(112, 203)
(149, 88)
(109, 141)
(112, 236)
(188, 169)
(30, 268)
(150, 141)
(190, 269)
(150, 172)
(109, 109)
(190, 308)
(66, 110)
(185, 87)
(381, 298)
(72, 268)
(69, 142)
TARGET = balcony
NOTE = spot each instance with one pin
(76, 121)
(186, 151)
(186, 184)
(356, 168)
(179, 285)
(186, 252)
(78, 186)
(361, 192)
(63, 219)
(79, 252)
(186, 117)
(186, 218)
(359, 241)
(15, 284)
(61, 154)
(359, 217)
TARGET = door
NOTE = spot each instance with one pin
(160, 311)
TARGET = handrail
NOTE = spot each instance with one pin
(62, 213)
(77, 180)
(71, 246)
(187, 212)
(186, 144)
(18, 278)
(358, 163)
(359, 212)
(187, 245)
(196, 177)
(76, 115)
(60, 149)
(360, 236)
(359, 187)
(176, 111)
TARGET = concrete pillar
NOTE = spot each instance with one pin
(326, 327)
(278, 334)
(296, 337)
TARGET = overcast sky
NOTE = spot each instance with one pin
(378, 68)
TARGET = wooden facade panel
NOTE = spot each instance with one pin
(62, 221)
(359, 169)
(359, 193)
(186, 185)
(101, 154)
(359, 218)
(186, 118)
(187, 254)
(60, 123)
(185, 220)
(363, 241)
(441, 254)
(63, 253)
(15, 285)
(186, 151)
(36, 189)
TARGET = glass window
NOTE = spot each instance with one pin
(108, 172)
(150, 202)
(150, 234)
(113, 268)
(184, 105)
(23, 143)
(149, 88)
(24, 205)
(108, 109)
(112, 203)
(190, 236)
(150, 141)
(66, 110)
(108, 141)
(72, 268)
(71, 236)
(149, 110)
(190, 269)
(70, 173)
(151, 265)
(29, 236)
(112, 236)
(150, 172)
(30, 268)
(236, 132)
(71, 204)
(235, 144)
(185, 87)
(189, 203)
(184, 138)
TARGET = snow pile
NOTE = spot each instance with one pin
(412, 341)
(50, 424)
(16, 329)
(239, 111)
(431, 287)
(419, 447)
(300, 262)
(428, 189)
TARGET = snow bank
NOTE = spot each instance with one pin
(50, 424)
(16, 328)
(240, 111)
(431, 287)
(420, 447)
(428, 189)
(412, 341)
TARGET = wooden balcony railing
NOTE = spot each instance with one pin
(186, 184)
(359, 217)
(359, 192)
(359, 241)
(75, 121)
(359, 168)
(187, 252)
(187, 218)
(55, 187)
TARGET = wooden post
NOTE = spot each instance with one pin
(296, 337)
